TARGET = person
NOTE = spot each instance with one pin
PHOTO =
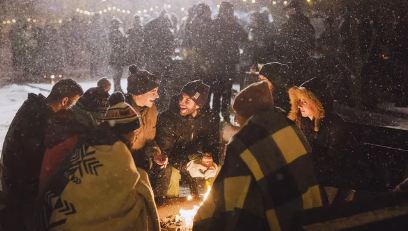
(340, 165)
(142, 92)
(135, 41)
(188, 128)
(202, 42)
(104, 83)
(98, 186)
(97, 42)
(297, 38)
(66, 126)
(158, 47)
(117, 42)
(23, 148)
(262, 38)
(267, 176)
(228, 33)
(278, 78)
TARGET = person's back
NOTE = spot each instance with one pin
(267, 176)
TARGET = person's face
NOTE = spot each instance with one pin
(240, 120)
(147, 99)
(291, 11)
(187, 105)
(305, 108)
(207, 14)
(137, 21)
(263, 78)
(68, 102)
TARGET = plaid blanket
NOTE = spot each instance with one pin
(267, 177)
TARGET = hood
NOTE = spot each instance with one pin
(317, 94)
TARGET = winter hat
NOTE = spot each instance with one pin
(120, 115)
(274, 70)
(294, 4)
(95, 101)
(103, 83)
(197, 91)
(253, 99)
(317, 94)
(140, 81)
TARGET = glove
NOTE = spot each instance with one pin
(211, 172)
(196, 170)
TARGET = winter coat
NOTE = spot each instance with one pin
(158, 42)
(336, 154)
(297, 38)
(117, 42)
(145, 142)
(180, 136)
(267, 177)
(228, 35)
(98, 187)
(23, 150)
(262, 44)
(202, 39)
(61, 137)
(134, 46)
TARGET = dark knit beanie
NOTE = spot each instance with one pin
(121, 116)
(253, 99)
(104, 83)
(273, 71)
(95, 101)
(140, 81)
(197, 91)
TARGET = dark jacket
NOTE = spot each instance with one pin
(117, 42)
(158, 41)
(228, 35)
(337, 155)
(267, 177)
(180, 136)
(135, 42)
(23, 149)
(297, 38)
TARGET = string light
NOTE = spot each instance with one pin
(34, 20)
(274, 2)
(28, 19)
(285, 2)
(253, 1)
(14, 21)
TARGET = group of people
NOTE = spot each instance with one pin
(90, 160)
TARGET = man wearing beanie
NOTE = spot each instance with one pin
(98, 186)
(142, 93)
(267, 175)
(187, 129)
(278, 78)
(66, 125)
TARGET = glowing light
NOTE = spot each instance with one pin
(89, 22)
(77, 10)
(169, 6)
(156, 7)
(308, 0)
(182, 9)
(52, 76)
(60, 21)
(187, 216)
(118, 10)
(285, 2)
(274, 2)
(81, 11)
(8, 22)
(244, 0)
(14, 21)
(139, 12)
(145, 10)
(70, 19)
(114, 8)
(105, 11)
(34, 20)
(92, 13)
(385, 57)
(151, 9)
(189, 197)
(60, 76)
(253, 1)
(109, 8)
(29, 19)
(128, 11)
(123, 11)
(100, 12)
(218, 6)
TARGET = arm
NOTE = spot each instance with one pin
(165, 136)
(212, 139)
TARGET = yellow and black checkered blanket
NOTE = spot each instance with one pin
(266, 179)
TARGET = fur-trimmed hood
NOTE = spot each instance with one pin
(317, 94)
